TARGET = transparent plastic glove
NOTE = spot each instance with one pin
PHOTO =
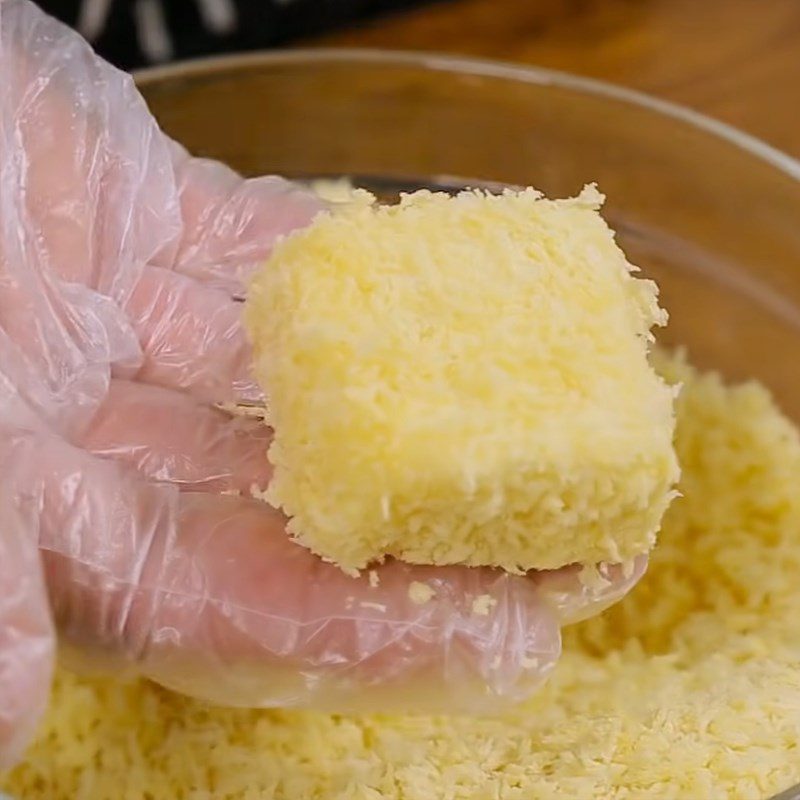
(26, 631)
(120, 257)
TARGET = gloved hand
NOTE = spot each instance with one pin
(126, 521)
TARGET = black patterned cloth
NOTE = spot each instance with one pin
(136, 33)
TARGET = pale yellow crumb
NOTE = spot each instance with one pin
(340, 191)
(420, 593)
(257, 493)
(529, 662)
(373, 606)
(374, 579)
(483, 604)
(592, 578)
(232, 492)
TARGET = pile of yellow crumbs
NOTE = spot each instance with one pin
(689, 688)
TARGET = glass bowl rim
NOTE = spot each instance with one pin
(490, 68)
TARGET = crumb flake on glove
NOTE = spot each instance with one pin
(464, 380)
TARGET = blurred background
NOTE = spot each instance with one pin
(737, 60)
(136, 33)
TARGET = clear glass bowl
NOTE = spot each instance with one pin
(712, 214)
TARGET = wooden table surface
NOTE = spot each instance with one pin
(737, 60)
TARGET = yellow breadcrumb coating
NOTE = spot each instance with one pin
(688, 688)
(464, 380)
